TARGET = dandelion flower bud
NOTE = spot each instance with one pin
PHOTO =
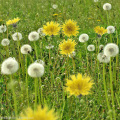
(9, 66)
(5, 42)
(54, 6)
(17, 36)
(110, 29)
(103, 58)
(83, 37)
(111, 50)
(33, 36)
(107, 6)
(25, 49)
(91, 47)
(3, 28)
(40, 31)
(36, 70)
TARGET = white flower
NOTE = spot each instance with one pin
(5, 42)
(40, 31)
(111, 50)
(3, 28)
(73, 54)
(101, 47)
(107, 6)
(17, 36)
(33, 36)
(49, 46)
(9, 66)
(110, 29)
(25, 49)
(83, 37)
(36, 70)
(103, 58)
(40, 61)
(91, 47)
(55, 6)
(95, 0)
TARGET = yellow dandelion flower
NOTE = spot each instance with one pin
(67, 47)
(98, 20)
(51, 28)
(55, 14)
(100, 30)
(1, 20)
(79, 85)
(14, 21)
(70, 28)
(39, 114)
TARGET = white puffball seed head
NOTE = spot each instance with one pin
(5, 42)
(107, 6)
(110, 29)
(83, 37)
(33, 36)
(25, 49)
(17, 36)
(91, 47)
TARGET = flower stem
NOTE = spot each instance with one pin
(35, 105)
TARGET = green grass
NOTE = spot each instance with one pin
(33, 15)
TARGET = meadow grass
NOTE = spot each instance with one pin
(23, 91)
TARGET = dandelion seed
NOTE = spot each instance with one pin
(25, 49)
(5, 42)
(51, 28)
(36, 70)
(107, 6)
(110, 29)
(49, 46)
(33, 36)
(9, 66)
(111, 50)
(83, 37)
(79, 85)
(67, 47)
(91, 47)
(54, 6)
(17, 36)
(103, 58)
(3, 28)
(40, 31)
(70, 28)
(38, 114)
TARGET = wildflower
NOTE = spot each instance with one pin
(70, 28)
(100, 30)
(9, 66)
(83, 37)
(17, 36)
(79, 85)
(3, 28)
(67, 47)
(1, 20)
(111, 50)
(33, 36)
(36, 70)
(13, 22)
(38, 114)
(51, 28)
(49, 46)
(98, 20)
(103, 58)
(55, 14)
(40, 31)
(25, 49)
(110, 29)
(107, 6)
(5, 42)
(54, 6)
(91, 47)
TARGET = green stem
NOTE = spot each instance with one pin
(35, 105)
(36, 50)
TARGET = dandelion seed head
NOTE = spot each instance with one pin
(40, 31)
(40, 61)
(3, 28)
(83, 37)
(25, 49)
(17, 36)
(110, 29)
(111, 50)
(101, 47)
(96, 0)
(9, 66)
(5, 42)
(91, 47)
(33, 36)
(36, 70)
(49, 46)
(54, 6)
(107, 6)
(103, 58)
(72, 55)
